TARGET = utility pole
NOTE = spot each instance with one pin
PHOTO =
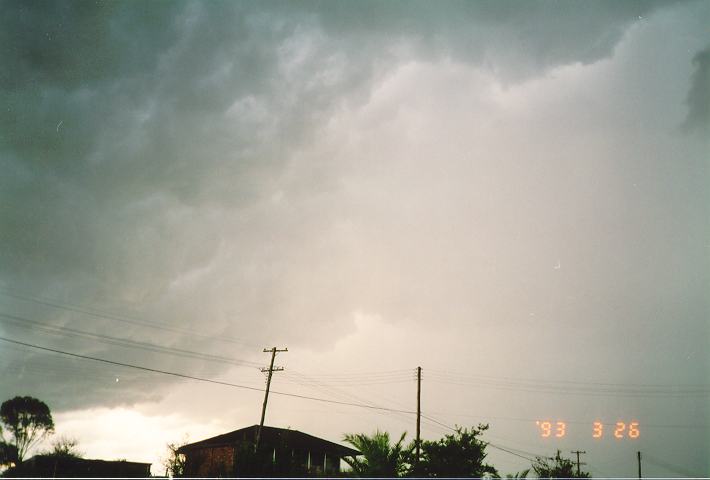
(270, 371)
(638, 454)
(578, 462)
(419, 411)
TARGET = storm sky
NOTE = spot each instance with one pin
(511, 195)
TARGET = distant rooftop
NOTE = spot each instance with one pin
(272, 436)
(68, 466)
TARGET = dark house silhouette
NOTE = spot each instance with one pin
(50, 466)
(282, 452)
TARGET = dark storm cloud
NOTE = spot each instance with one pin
(515, 39)
(142, 144)
(109, 103)
(699, 95)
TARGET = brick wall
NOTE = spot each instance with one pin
(212, 462)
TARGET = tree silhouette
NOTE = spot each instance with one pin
(28, 420)
(65, 447)
(8, 454)
(379, 458)
(558, 467)
(460, 454)
(174, 463)
(518, 475)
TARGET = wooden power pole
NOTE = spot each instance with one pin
(419, 412)
(270, 371)
(578, 462)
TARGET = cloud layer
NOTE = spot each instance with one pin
(508, 175)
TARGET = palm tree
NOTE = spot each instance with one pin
(379, 458)
(518, 475)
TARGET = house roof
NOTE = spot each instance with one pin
(69, 466)
(272, 436)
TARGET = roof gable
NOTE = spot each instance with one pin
(272, 436)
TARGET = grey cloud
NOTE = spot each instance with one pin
(514, 39)
(698, 100)
(139, 139)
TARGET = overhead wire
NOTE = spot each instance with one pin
(567, 421)
(433, 374)
(534, 385)
(356, 378)
(541, 380)
(668, 393)
(201, 379)
(56, 368)
(498, 447)
(368, 405)
(121, 318)
(124, 342)
(307, 381)
(361, 378)
(367, 375)
(510, 450)
(566, 385)
(653, 460)
(338, 392)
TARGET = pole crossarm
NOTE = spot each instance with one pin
(270, 371)
(578, 452)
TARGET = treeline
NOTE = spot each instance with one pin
(26, 421)
(461, 454)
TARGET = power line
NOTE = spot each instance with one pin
(498, 447)
(377, 408)
(124, 342)
(681, 389)
(360, 383)
(538, 381)
(27, 323)
(366, 375)
(578, 453)
(510, 452)
(308, 381)
(201, 379)
(667, 465)
(245, 387)
(338, 392)
(386, 377)
(120, 318)
(344, 378)
(574, 422)
(442, 376)
(670, 392)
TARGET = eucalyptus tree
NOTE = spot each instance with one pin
(28, 420)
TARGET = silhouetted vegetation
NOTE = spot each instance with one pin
(518, 475)
(28, 421)
(379, 458)
(175, 462)
(461, 454)
(557, 467)
(8, 454)
(51, 466)
(65, 447)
